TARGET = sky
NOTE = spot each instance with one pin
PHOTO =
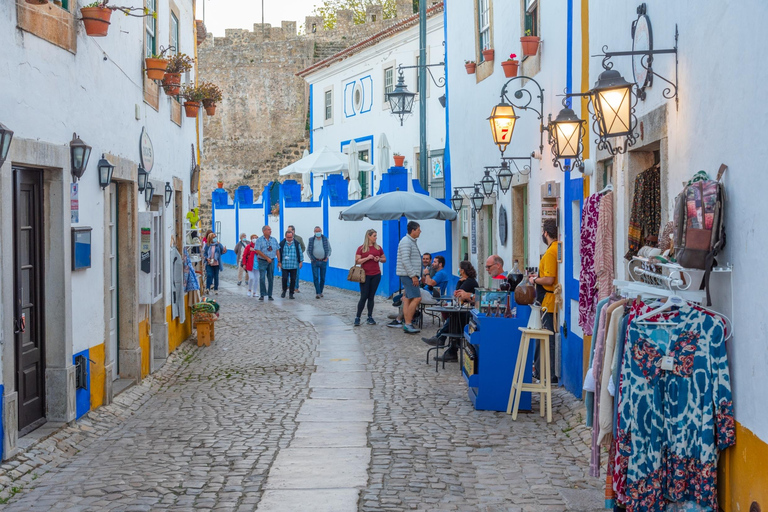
(224, 14)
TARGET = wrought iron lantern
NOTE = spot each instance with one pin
(457, 201)
(149, 193)
(505, 177)
(566, 134)
(142, 180)
(168, 193)
(487, 182)
(80, 152)
(401, 99)
(477, 199)
(5, 142)
(502, 120)
(105, 172)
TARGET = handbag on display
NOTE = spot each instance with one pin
(356, 274)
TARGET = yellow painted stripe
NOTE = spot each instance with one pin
(743, 473)
(96, 355)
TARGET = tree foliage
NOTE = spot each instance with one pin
(329, 7)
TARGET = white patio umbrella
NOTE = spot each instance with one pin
(393, 205)
(354, 190)
(306, 182)
(322, 161)
(382, 155)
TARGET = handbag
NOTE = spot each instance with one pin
(356, 274)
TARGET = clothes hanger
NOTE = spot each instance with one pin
(606, 189)
(672, 300)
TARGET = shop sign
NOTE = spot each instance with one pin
(74, 202)
(146, 152)
(474, 233)
(146, 244)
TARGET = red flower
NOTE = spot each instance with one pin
(512, 56)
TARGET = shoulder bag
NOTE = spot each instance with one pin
(356, 274)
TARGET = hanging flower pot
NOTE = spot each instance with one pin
(191, 108)
(399, 160)
(172, 83)
(510, 67)
(210, 107)
(471, 67)
(530, 45)
(155, 67)
(95, 20)
(489, 54)
(220, 184)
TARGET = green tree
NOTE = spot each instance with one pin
(329, 7)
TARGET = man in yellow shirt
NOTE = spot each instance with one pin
(545, 284)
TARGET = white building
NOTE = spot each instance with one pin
(71, 255)
(709, 122)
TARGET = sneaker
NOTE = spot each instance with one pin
(357, 321)
(270, 298)
(291, 296)
(261, 298)
(283, 294)
(370, 321)
(239, 283)
(433, 341)
(317, 296)
(249, 294)
(395, 323)
(410, 329)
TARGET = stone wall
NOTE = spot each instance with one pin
(262, 120)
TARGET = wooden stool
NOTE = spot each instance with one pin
(205, 334)
(543, 387)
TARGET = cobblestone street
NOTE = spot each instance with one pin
(235, 426)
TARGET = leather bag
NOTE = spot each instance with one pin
(356, 274)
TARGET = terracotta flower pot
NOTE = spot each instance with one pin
(530, 44)
(510, 68)
(155, 68)
(191, 108)
(399, 159)
(471, 67)
(489, 54)
(172, 83)
(220, 184)
(210, 107)
(96, 20)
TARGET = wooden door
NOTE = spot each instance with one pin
(28, 298)
(113, 282)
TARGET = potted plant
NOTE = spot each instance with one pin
(193, 96)
(471, 66)
(530, 43)
(489, 54)
(399, 159)
(156, 65)
(220, 184)
(510, 66)
(177, 64)
(95, 18)
(212, 95)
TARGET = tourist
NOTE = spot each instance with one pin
(441, 276)
(213, 252)
(290, 260)
(319, 250)
(267, 250)
(251, 265)
(241, 245)
(545, 283)
(409, 269)
(369, 256)
(426, 264)
(303, 247)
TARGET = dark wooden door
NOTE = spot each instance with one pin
(28, 298)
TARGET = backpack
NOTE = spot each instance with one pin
(699, 231)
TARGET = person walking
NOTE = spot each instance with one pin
(250, 264)
(213, 252)
(303, 247)
(319, 250)
(290, 260)
(239, 248)
(409, 269)
(267, 250)
(369, 256)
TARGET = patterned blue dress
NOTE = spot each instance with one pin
(676, 410)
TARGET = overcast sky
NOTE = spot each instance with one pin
(223, 14)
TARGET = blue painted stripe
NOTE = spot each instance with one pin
(83, 396)
(447, 151)
(311, 118)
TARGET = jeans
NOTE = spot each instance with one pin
(367, 294)
(319, 269)
(548, 323)
(266, 272)
(253, 279)
(289, 273)
(212, 276)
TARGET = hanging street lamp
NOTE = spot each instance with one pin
(457, 201)
(487, 182)
(566, 134)
(477, 199)
(168, 193)
(612, 98)
(149, 193)
(80, 152)
(5, 142)
(142, 179)
(505, 177)
(401, 99)
(105, 172)
(502, 124)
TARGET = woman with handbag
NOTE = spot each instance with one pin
(213, 252)
(368, 256)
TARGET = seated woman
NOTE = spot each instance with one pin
(465, 288)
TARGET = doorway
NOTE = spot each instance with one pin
(113, 284)
(29, 334)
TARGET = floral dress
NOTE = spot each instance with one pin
(675, 411)
(587, 277)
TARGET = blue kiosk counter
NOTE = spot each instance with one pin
(488, 356)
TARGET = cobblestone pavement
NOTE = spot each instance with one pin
(203, 432)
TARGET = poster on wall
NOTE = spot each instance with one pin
(74, 203)
(145, 245)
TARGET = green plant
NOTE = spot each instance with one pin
(396, 154)
(161, 55)
(192, 93)
(179, 63)
(137, 12)
(98, 3)
(469, 62)
(528, 32)
(211, 92)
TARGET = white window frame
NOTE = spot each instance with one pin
(327, 108)
(158, 255)
(150, 29)
(386, 67)
(174, 40)
(484, 24)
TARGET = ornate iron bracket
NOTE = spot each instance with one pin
(439, 82)
(525, 94)
(524, 169)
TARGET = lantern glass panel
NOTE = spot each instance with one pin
(487, 183)
(5, 142)
(457, 202)
(477, 200)
(143, 175)
(505, 180)
(502, 124)
(614, 109)
(567, 138)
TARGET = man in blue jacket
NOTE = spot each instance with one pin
(319, 250)
(290, 260)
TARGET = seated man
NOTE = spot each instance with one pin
(439, 283)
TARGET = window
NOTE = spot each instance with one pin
(363, 175)
(64, 5)
(150, 25)
(328, 105)
(484, 28)
(157, 262)
(174, 34)
(389, 82)
(531, 18)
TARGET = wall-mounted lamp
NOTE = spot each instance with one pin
(5, 142)
(566, 133)
(476, 199)
(401, 99)
(142, 179)
(168, 193)
(105, 172)
(503, 115)
(79, 152)
(487, 183)
(149, 193)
